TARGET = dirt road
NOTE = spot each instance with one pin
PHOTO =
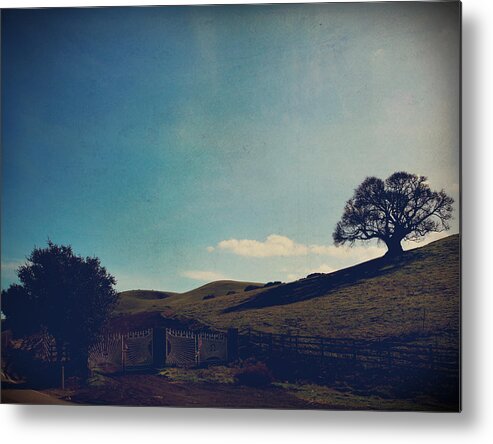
(25, 396)
(153, 390)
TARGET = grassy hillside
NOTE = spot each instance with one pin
(417, 295)
(139, 301)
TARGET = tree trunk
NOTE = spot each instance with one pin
(394, 247)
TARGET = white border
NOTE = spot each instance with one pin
(52, 424)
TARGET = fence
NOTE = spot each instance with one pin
(145, 349)
(369, 354)
(121, 352)
(186, 348)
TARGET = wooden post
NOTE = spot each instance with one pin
(166, 351)
(197, 352)
(158, 347)
(123, 353)
(232, 344)
(63, 377)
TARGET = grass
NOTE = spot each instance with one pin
(418, 297)
(218, 374)
(335, 399)
(320, 395)
(140, 301)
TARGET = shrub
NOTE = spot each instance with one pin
(230, 292)
(209, 296)
(271, 284)
(254, 374)
(313, 275)
(252, 287)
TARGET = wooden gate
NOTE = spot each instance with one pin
(185, 348)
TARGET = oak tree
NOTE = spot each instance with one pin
(401, 207)
(66, 295)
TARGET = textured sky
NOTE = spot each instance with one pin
(187, 144)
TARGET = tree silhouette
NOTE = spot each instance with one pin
(401, 207)
(66, 295)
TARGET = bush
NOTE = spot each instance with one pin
(230, 292)
(314, 275)
(252, 287)
(271, 284)
(254, 374)
(209, 296)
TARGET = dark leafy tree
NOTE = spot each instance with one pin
(64, 294)
(401, 207)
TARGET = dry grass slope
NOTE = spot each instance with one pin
(419, 296)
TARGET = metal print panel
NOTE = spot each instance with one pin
(240, 206)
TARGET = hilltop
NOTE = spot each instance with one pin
(417, 295)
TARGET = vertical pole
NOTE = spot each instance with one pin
(158, 347)
(196, 340)
(165, 346)
(63, 377)
(232, 344)
(123, 354)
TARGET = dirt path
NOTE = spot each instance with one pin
(25, 396)
(152, 390)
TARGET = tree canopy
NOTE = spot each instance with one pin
(401, 207)
(66, 295)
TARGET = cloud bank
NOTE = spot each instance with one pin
(282, 246)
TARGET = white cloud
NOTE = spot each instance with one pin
(277, 245)
(9, 268)
(210, 249)
(12, 265)
(200, 275)
(274, 245)
(324, 268)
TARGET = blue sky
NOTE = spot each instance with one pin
(187, 144)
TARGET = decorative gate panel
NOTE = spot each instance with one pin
(212, 347)
(138, 349)
(106, 356)
(180, 348)
(115, 353)
(185, 348)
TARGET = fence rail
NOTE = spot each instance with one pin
(158, 347)
(383, 354)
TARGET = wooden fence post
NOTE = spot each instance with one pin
(158, 347)
(123, 353)
(232, 344)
